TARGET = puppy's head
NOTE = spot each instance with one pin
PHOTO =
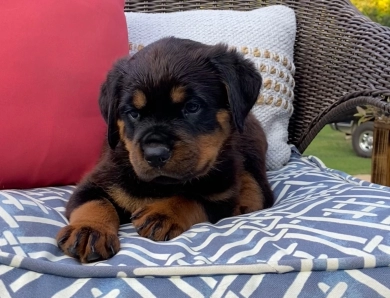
(174, 104)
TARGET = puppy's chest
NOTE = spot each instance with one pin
(133, 197)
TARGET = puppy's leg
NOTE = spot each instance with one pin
(92, 233)
(167, 218)
(251, 197)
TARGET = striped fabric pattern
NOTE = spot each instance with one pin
(327, 234)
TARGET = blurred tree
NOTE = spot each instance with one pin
(376, 10)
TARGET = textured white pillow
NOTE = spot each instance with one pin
(265, 35)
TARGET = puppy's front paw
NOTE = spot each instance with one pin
(88, 241)
(157, 224)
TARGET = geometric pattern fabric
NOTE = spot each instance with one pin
(328, 234)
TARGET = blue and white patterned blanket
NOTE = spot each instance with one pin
(327, 234)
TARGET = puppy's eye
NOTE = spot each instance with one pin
(134, 114)
(191, 108)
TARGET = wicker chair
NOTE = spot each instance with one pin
(342, 61)
(326, 235)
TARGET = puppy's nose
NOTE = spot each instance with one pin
(156, 155)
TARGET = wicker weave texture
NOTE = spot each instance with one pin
(342, 58)
(172, 6)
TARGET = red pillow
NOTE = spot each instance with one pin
(54, 55)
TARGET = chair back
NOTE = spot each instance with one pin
(342, 58)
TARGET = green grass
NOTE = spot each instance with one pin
(336, 152)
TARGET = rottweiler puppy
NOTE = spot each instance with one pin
(182, 148)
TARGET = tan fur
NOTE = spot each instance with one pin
(210, 144)
(224, 196)
(178, 94)
(127, 202)
(99, 211)
(203, 150)
(98, 217)
(251, 197)
(128, 143)
(223, 118)
(167, 218)
(139, 99)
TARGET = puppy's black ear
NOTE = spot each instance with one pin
(242, 81)
(110, 93)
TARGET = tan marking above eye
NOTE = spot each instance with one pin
(178, 94)
(139, 99)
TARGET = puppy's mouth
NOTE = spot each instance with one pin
(166, 180)
(162, 177)
(180, 167)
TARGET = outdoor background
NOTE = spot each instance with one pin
(332, 147)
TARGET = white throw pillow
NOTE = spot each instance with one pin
(265, 35)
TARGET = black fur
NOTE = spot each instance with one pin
(212, 139)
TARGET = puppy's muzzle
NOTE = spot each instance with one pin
(156, 155)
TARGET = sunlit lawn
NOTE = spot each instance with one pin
(337, 153)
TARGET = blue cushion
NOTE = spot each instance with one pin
(327, 230)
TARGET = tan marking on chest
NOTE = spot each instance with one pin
(126, 201)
